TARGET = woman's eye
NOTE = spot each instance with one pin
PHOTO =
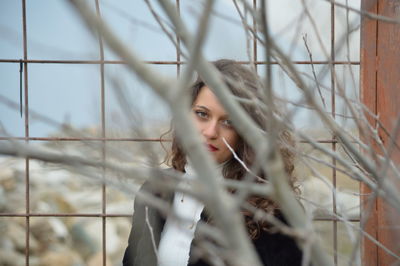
(201, 114)
(227, 123)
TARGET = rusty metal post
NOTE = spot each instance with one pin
(369, 251)
(380, 79)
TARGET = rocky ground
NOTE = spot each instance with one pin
(58, 240)
(75, 241)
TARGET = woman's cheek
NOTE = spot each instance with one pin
(231, 138)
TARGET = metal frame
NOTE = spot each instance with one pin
(102, 62)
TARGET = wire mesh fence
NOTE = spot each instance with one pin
(58, 96)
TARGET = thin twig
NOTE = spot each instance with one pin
(235, 155)
(365, 13)
(153, 242)
(162, 26)
(313, 70)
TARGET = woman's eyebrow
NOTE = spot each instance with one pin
(202, 106)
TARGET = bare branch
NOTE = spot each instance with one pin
(365, 13)
(153, 242)
(313, 71)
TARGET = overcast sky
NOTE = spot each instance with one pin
(71, 93)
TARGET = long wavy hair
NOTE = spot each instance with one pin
(245, 84)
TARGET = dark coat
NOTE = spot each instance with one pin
(274, 249)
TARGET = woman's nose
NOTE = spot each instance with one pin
(211, 130)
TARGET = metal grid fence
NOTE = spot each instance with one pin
(101, 63)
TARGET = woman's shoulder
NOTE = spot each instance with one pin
(156, 181)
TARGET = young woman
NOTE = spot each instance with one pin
(172, 241)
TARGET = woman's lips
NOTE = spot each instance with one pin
(211, 148)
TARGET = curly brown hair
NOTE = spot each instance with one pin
(243, 83)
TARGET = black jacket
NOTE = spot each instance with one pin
(274, 249)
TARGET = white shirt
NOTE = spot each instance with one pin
(178, 232)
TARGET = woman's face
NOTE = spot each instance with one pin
(213, 123)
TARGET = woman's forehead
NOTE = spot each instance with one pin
(208, 100)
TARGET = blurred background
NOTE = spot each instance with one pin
(71, 103)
